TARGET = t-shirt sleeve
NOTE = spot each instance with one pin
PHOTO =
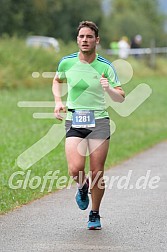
(112, 77)
(61, 70)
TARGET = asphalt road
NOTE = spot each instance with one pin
(133, 211)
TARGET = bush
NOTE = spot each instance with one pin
(18, 62)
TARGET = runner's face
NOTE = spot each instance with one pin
(86, 40)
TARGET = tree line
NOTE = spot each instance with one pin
(60, 18)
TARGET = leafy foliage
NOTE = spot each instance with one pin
(61, 17)
(132, 17)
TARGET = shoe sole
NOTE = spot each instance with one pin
(95, 228)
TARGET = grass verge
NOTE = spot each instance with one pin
(145, 127)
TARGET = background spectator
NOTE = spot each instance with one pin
(123, 46)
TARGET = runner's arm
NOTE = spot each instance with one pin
(57, 90)
(116, 93)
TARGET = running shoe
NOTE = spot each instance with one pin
(82, 198)
(94, 221)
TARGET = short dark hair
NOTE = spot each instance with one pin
(90, 25)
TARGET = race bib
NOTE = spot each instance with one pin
(83, 119)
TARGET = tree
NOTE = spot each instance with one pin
(60, 18)
(132, 17)
(47, 17)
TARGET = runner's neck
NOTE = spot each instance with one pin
(88, 57)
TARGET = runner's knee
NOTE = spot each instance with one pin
(75, 171)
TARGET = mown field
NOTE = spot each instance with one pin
(142, 129)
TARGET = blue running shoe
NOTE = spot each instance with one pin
(82, 198)
(94, 221)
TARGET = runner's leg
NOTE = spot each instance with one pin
(97, 161)
(76, 161)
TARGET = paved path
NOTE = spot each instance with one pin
(133, 219)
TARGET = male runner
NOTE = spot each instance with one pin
(89, 78)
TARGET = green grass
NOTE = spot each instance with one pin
(19, 130)
(143, 128)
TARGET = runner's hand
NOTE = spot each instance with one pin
(104, 82)
(59, 107)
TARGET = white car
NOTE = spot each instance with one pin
(42, 41)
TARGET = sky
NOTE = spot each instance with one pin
(106, 5)
(163, 5)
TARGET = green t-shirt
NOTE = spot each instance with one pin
(83, 81)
